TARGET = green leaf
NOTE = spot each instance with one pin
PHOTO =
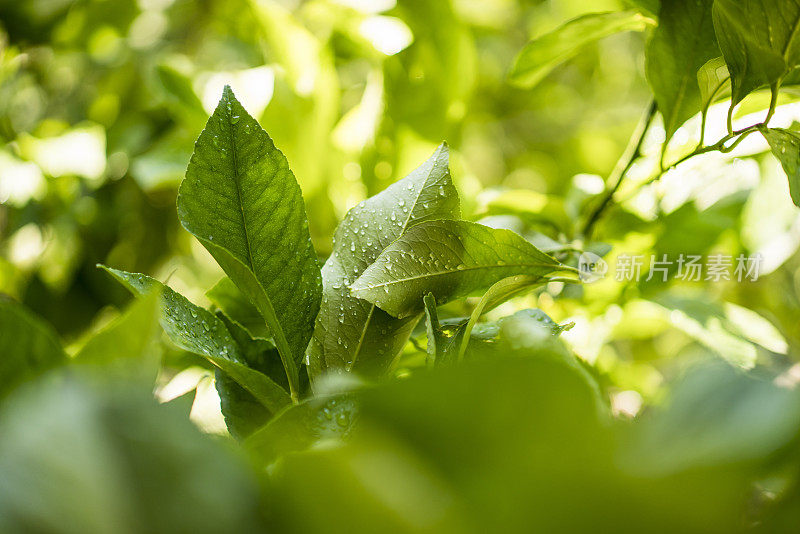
(714, 81)
(28, 346)
(93, 456)
(450, 259)
(199, 331)
(238, 308)
(759, 39)
(681, 44)
(243, 412)
(300, 426)
(351, 333)
(130, 346)
(786, 147)
(543, 54)
(241, 201)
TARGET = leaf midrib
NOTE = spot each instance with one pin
(235, 164)
(556, 267)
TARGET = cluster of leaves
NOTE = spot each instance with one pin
(241, 201)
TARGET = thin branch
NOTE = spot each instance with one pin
(631, 154)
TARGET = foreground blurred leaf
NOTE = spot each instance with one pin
(244, 205)
(82, 457)
(717, 415)
(351, 333)
(759, 39)
(543, 54)
(129, 347)
(28, 346)
(449, 259)
(199, 331)
(681, 44)
(786, 147)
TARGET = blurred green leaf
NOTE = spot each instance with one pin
(543, 54)
(80, 457)
(450, 259)
(29, 346)
(241, 201)
(128, 348)
(351, 333)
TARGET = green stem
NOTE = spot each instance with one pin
(625, 163)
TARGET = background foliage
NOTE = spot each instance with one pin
(100, 106)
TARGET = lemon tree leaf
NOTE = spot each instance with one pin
(785, 146)
(449, 259)
(242, 202)
(351, 333)
(199, 331)
(759, 39)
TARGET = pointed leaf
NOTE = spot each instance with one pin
(28, 346)
(199, 331)
(242, 202)
(450, 259)
(351, 333)
(543, 54)
(682, 43)
(786, 147)
(760, 40)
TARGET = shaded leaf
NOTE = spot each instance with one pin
(28, 346)
(681, 44)
(351, 333)
(237, 307)
(241, 201)
(540, 56)
(759, 39)
(450, 259)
